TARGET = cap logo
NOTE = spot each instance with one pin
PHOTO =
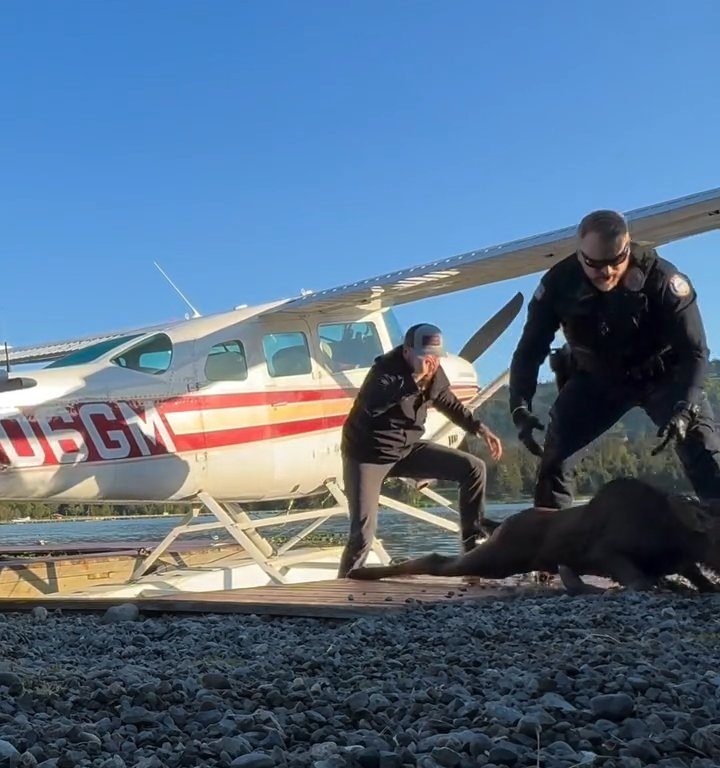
(431, 341)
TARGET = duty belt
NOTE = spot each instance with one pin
(584, 359)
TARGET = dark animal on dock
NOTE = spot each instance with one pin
(630, 532)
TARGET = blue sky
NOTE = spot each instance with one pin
(258, 148)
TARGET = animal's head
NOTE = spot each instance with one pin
(703, 519)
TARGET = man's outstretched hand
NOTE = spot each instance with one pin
(492, 441)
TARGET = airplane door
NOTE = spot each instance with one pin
(295, 406)
(346, 349)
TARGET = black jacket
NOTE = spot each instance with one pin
(652, 313)
(389, 412)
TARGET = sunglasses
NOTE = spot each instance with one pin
(601, 263)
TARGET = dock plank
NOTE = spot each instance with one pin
(336, 598)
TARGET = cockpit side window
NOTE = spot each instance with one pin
(153, 355)
(346, 346)
(287, 354)
(91, 353)
(226, 362)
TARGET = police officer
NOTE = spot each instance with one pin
(381, 438)
(634, 338)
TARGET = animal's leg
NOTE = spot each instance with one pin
(489, 559)
(698, 579)
(574, 584)
(432, 565)
(628, 575)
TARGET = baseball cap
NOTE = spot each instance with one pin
(425, 339)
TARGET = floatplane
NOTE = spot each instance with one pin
(247, 405)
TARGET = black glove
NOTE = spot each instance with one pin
(680, 422)
(526, 422)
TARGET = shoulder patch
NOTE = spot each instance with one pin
(539, 292)
(679, 285)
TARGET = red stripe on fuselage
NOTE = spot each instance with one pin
(240, 435)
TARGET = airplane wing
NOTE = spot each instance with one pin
(654, 225)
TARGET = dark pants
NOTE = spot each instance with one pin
(363, 482)
(587, 406)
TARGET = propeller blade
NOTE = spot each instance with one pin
(488, 334)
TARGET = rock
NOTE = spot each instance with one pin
(208, 717)
(378, 702)
(478, 743)
(561, 750)
(8, 754)
(135, 715)
(643, 749)
(532, 722)
(253, 760)
(446, 757)
(586, 758)
(392, 760)
(504, 715)
(612, 706)
(323, 750)
(555, 701)
(330, 762)
(638, 683)
(505, 753)
(39, 613)
(235, 746)
(12, 682)
(118, 614)
(215, 681)
(357, 701)
(707, 739)
(633, 728)
(368, 758)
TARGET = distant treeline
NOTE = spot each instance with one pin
(624, 450)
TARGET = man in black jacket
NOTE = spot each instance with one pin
(635, 337)
(382, 438)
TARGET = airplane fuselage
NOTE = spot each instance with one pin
(241, 406)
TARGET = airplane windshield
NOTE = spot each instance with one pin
(91, 352)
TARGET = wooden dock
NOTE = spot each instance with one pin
(335, 598)
(35, 573)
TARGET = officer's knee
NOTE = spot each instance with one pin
(477, 469)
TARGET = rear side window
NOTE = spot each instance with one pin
(226, 362)
(287, 354)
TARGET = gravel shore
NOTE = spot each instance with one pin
(620, 680)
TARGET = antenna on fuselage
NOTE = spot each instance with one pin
(181, 294)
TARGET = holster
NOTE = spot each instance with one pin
(562, 365)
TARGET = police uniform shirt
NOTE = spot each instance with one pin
(653, 310)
